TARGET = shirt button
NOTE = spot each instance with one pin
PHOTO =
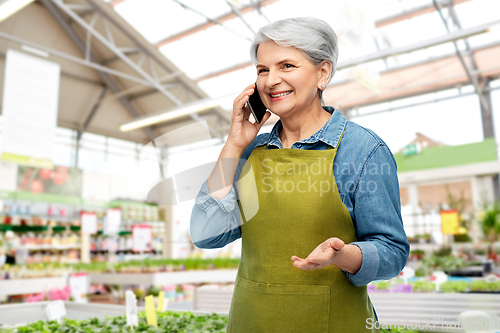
(299, 145)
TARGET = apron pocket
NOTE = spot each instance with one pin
(260, 307)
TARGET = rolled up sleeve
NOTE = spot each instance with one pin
(214, 223)
(378, 222)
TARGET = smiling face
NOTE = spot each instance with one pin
(287, 81)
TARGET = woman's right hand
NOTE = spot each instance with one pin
(242, 131)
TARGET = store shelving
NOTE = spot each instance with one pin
(30, 286)
(18, 314)
(164, 278)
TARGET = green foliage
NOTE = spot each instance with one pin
(147, 265)
(442, 252)
(491, 220)
(382, 285)
(485, 286)
(446, 263)
(168, 322)
(423, 286)
(454, 286)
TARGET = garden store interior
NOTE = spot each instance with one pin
(141, 94)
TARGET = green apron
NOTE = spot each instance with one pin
(298, 206)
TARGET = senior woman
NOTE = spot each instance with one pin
(316, 204)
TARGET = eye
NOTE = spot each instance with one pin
(262, 70)
(288, 66)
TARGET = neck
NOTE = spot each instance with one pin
(301, 125)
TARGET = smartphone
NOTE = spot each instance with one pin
(256, 106)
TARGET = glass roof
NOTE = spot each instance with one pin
(222, 46)
(225, 45)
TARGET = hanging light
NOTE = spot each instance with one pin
(178, 112)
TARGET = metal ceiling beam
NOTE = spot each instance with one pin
(473, 79)
(150, 51)
(223, 18)
(259, 10)
(408, 14)
(453, 36)
(450, 37)
(69, 57)
(149, 92)
(91, 115)
(105, 77)
(435, 100)
(115, 50)
(240, 16)
(209, 19)
(71, 75)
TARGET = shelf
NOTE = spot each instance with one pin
(30, 286)
(19, 314)
(53, 248)
(163, 278)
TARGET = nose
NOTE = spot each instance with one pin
(273, 78)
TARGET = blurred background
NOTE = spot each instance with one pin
(102, 100)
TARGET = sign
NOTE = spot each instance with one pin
(55, 310)
(112, 221)
(412, 149)
(407, 273)
(79, 285)
(162, 303)
(141, 238)
(59, 180)
(89, 223)
(150, 311)
(30, 102)
(131, 309)
(8, 176)
(449, 222)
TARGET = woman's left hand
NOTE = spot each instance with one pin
(325, 254)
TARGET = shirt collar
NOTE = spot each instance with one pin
(330, 133)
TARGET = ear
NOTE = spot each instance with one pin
(324, 74)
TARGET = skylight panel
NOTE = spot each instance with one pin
(157, 19)
(230, 83)
(207, 51)
(474, 13)
(212, 9)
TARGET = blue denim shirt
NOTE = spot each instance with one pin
(366, 176)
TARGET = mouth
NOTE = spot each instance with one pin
(280, 94)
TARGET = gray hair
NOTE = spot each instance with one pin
(312, 36)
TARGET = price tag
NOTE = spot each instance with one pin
(55, 310)
(150, 311)
(141, 238)
(113, 221)
(89, 223)
(78, 282)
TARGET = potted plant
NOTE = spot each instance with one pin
(490, 224)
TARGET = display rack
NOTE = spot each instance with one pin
(19, 314)
(437, 309)
(164, 278)
(30, 286)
